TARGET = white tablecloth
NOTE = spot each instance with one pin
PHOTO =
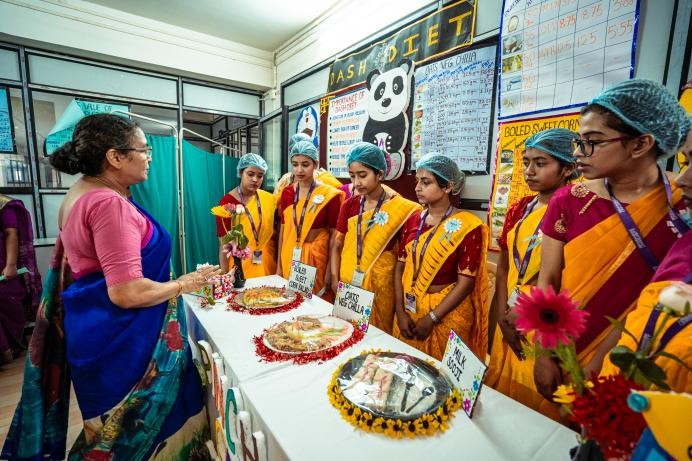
(289, 402)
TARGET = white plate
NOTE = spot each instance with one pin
(310, 336)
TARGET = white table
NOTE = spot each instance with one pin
(289, 402)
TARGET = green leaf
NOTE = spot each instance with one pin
(621, 326)
(675, 358)
(623, 357)
(226, 239)
(653, 372)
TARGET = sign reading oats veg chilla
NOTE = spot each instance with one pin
(438, 33)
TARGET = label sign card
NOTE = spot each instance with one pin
(464, 369)
(302, 278)
(353, 304)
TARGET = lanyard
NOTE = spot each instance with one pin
(633, 230)
(296, 197)
(669, 334)
(255, 230)
(523, 265)
(361, 236)
(417, 262)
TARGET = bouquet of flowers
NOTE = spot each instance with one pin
(599, 404)
(235, 241)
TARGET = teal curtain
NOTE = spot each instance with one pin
(159, 193)
(203, 185)
(203, 188)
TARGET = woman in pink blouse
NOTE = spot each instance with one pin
(125, 340)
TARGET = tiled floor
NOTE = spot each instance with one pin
(11, 377)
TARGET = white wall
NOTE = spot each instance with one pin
(94, 31)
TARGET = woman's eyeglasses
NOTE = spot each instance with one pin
(586, 146)
(142, 150)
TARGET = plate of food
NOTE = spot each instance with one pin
(265, 297)
(393, 385)
(307, 334)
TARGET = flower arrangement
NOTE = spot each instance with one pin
(425, 425)
(597, 404)
(235, 241)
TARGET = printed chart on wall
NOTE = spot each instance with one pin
(452, 109)
(6, 140)
(345, 122)
(561, 53)
(508, 184)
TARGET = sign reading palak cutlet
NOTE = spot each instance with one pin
(440, 32)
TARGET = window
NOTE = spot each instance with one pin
(15, 166)
(271, 131)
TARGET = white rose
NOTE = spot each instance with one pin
(676, 297)
(239, 209)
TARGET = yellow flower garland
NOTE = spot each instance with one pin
(425, 425)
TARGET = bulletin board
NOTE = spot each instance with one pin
(557, 54)
(508, 183)
(453, 109)
(346, 118)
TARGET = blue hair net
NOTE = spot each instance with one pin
(445, 168)
(367, 154)
(297, 138)
(556, 142)
(649, 108)
(306, 148)
(251, 159)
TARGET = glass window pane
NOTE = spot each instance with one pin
(9, 64)
(272, 151)
(309, 87)
(51, 205)
(218, 99)
(169, 116)
(85, 77)
(14, 167)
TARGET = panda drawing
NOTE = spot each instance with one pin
(388, 98)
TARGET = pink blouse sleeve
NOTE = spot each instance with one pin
(116, 227)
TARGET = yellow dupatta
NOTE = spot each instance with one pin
(266, 244)
(525, 232)
(289, 236)
(377, 263)
(595, 255)
(472, 314)
(325, 177)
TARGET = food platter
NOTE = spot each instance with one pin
(265, 297)
(307, 334)
(393, 385)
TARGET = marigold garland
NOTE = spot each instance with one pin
(231, 305)
(426, 425)
(268, 355)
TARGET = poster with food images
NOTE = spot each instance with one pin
(556, 54)
(508, 183)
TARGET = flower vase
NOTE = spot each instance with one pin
(239, 276)
(587, 450)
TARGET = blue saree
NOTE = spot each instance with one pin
(137, 388)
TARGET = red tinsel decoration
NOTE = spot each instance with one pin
(231, 305)
(268, 355)
(607, 419)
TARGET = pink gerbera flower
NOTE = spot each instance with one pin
(554, 318)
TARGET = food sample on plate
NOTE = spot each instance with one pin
(265, 297)
(307, 334)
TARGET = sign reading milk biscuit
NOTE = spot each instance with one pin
(353, 304)
(464, 370)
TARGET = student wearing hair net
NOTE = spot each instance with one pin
(321, 174)
(365, 246)
(308, 209)
(604, 238)
(257, 218)
(548, 165)
(441, 281)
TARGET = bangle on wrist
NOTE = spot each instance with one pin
(434, 317)
(180, 288)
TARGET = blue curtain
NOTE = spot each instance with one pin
(203, 189)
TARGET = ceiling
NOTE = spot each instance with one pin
(263, 24)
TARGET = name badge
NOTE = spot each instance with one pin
(297, 252)
(358, 278)
(257, 257)
(513, 297)
(410, 302)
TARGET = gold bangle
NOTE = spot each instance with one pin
(180, 288)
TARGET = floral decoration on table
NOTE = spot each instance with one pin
(264, 300)
(286, 341)
(219, 287)
(235, 242)
(374, 418)
(599, 405)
